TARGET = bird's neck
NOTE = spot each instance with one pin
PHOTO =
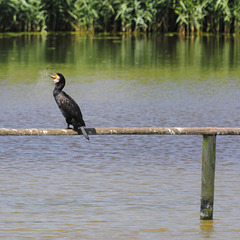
(56, 91)
(58, 88)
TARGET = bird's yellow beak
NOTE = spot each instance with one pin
(54, 76)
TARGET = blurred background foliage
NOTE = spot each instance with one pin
(183, 16)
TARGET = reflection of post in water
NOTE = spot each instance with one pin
(206, 228)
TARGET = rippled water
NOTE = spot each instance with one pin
(118, 187)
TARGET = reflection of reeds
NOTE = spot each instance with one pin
(184, 16)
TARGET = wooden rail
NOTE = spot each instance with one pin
(208, 150)
(125, 131)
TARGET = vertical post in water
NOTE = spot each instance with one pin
(208, 176)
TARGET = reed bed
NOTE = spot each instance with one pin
(150, 16)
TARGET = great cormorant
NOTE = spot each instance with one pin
(69, 108)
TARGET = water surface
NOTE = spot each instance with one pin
(118, 187)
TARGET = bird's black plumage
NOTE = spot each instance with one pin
(67, 105)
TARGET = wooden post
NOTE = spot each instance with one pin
(208, 175)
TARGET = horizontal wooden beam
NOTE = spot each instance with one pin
(125, 131)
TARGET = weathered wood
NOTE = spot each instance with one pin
(126, 131)
(208, 176)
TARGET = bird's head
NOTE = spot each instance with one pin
(59, 80)
(57, 77)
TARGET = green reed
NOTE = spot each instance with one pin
(183, 16)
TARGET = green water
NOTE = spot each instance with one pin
(118, 187)
(25, 57)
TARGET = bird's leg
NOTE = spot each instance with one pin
(68, 126)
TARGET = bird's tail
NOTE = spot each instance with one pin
(84, 133)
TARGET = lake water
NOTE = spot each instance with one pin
(118, 187)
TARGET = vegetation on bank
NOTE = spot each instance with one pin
(183, 16)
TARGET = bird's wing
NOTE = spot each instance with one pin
(69, 106)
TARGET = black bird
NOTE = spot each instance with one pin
(69, 108)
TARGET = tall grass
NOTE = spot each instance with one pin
(22, 15)
(184, 16)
